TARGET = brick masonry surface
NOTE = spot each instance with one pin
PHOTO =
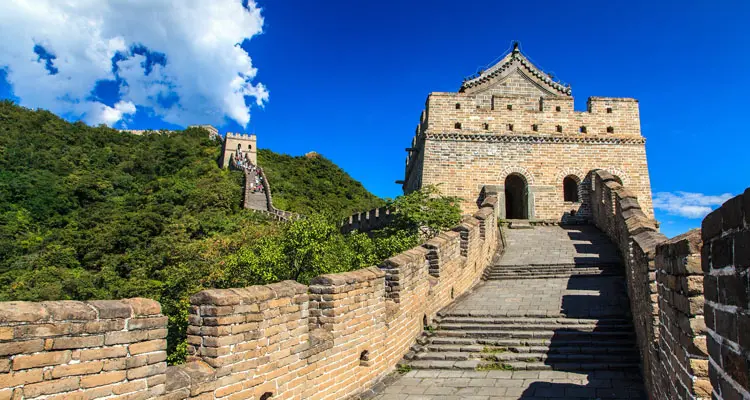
(334, 339)
(689, 294)
(726, 259)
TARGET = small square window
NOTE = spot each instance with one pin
(486, 126)
(610, 129)
(557, 108)
(559, 128)
(609, 110)
(583, 129)
(535, 127)
(458, 106)
(510, 106)
(510, 127)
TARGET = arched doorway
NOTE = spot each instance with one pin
(516, 197)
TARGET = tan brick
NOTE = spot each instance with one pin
(104, 352)
(84, 368)
(123, 337)
(78, 342)
(12, 379)
(51, 387)
(6, 333)
(147, 347)
(4, 365)
(148, 370)
(147, 323)
(41, 330)
(26, 346)
(6, 394)
(104, 378)
(41, 359)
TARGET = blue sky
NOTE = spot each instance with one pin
(349, 79)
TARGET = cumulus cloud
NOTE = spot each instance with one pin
(687, 204)
(181, 60)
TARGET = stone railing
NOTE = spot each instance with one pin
(726, 259)
(617, 213)
(334, 339)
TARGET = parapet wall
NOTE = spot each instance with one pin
(333, 339)
(689, 295)
(726, 259)
(82, 350)
(682, 371)
(368, 220)
(618, 214)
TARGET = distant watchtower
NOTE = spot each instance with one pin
(245, 144)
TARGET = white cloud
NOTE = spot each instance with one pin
(207, 74)
(687, 204)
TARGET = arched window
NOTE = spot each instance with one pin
(458, 106)
(457, 125)
(239, 147)
(570, 189)
(266, 396)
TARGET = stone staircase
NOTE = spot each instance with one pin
(588, 328)
(542, 271)
(527, 343)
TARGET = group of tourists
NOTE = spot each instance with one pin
(256, 181)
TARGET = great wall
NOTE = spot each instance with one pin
(514, 302)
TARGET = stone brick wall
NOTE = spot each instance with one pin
(541, 139)
(682, 372)
(689, 295)
(368, 220)
(617, 212)
(82, 350)
(331, 340)
(726, 259)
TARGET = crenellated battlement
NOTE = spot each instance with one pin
(330, 340)
(517, 115)
(368, 220)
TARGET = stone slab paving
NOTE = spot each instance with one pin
(555, 245)
(505, 385)
(579, 297)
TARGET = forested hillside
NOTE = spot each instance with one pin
(302, 184)
(93, 213)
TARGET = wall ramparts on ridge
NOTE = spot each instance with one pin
(368, 220)
(333, 339)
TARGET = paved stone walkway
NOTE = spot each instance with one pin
(445, 367)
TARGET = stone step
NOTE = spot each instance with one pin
(523, 366)
(558, 348)
(513, 334)
(571, 271)
(591, 313)
(507, 357)
(554, 328)
(468, 343)
(454, 319)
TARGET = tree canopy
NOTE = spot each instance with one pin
(94, 213)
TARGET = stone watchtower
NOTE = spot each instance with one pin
(245, 144)
(513, 127)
